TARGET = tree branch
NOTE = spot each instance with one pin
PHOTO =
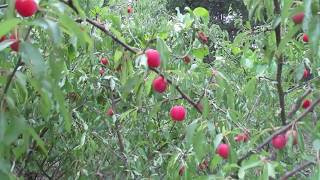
(185, 96)
(280, 131)
(279, 66)
(298, 103)
(296, 169)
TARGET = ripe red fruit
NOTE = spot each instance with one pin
(298, 18)
(26, 8)
(14, 46)
(159, 84)
(241, 137)
(305, 38)
(181, 170)
(279, 142)
(293, 134)
(153, 58)
(178, 113)
(101, 71)
(110, 112)
(3, 38)
(202, 37)
(306, 74)
(223, 150)
(306, 103)
(130, 10)
(186, 59)
(104, 61)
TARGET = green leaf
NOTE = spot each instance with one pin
(74, 30)
(203, 13)
(54, 30)
(200, 53)
(38, 140)
(64, 110)
(164, 51)
(190, 131)
(8, 25)
(82, 141)
(316, 144)
(33, 58)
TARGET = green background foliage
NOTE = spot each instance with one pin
(53, 120)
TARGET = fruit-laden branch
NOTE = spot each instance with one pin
(277, 11)
(135, 51)
(301, 85)
(280, 131)
(297, 169)
(297, 105)
(185, 96)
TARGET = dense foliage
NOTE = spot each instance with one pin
(130, 90)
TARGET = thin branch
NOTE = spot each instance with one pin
(298, 103)
(297, 169)
(118, 128)
(280, 131)
(107, 32)
(301, 85)
(279, 66)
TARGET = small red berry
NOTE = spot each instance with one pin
(3, 38)
(223, 150)
(298, 18)
(279, 142)
(104, 61)
(294, 135)
(26, 8)
(178, 113)
(306, 74)
(186, 59)
(130, 9)
(242, 137)
(305, 38)
(181, 170)
(159, 84)
(101, 71)
(306, 103)
(153, 58)
(14, 46)
(110, 112)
